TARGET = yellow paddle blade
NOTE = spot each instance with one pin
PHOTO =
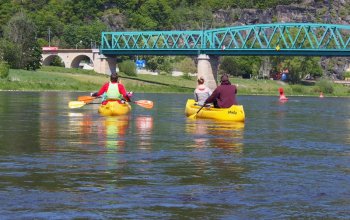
(76, 104)
(86, 99)
(144, 103)
(192, 116)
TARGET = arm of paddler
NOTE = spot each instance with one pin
(212, 97)
(122, 91)
(103, 89)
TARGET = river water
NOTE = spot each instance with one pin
(288, 160)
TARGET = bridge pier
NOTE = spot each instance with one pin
(207, 68)
(104, 65)
(72, 58)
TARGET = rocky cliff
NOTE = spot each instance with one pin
(320, 11)
(309, 11)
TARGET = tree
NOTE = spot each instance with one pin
(4, 70)
(299, 67)
(7, 9)
(152, 63)
(238, 66)
(153, 15)
(9, 52)
(20, 38)
(34, 59)
(187, 65)
(184, 18)
(161, 63)
(87, 34)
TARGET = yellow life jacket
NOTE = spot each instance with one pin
(113, 92)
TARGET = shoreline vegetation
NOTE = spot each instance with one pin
(64, 79)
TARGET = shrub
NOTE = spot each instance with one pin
(4, 70)
(57, 61)
(347, 74)
(128, 67)
(187, 65)
(325, 86)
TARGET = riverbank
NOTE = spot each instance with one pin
(62, 79)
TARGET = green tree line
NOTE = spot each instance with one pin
(71, 21)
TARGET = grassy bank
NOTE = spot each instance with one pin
(56, 78)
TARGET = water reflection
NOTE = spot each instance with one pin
(162, 166)
(221, 134)
(144, 127)
(113, 131)
(18, 123)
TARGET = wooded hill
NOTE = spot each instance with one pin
(79, 23)
(70, 21)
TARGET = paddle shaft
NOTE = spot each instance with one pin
(143, 103)
(194, 115)
(200, 109)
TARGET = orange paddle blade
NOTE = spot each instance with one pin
(86, 99)
(144, 103)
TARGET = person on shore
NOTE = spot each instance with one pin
(202, 92)
(224, 96)
(113, 91)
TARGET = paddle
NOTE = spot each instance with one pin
(76, 104)
(194, 115)
(86, 99)
(83, 100)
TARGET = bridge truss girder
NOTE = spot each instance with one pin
(288, 39)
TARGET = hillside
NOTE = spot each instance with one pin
(79, 23)
(67, 24)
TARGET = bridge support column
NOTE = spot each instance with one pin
(103, 64)
(208, 69)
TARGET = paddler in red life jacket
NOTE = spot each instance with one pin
(113, 91)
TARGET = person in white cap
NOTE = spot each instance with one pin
(202, 92)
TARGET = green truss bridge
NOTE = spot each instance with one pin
(290, 39)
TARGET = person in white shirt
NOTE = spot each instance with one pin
(202, 92)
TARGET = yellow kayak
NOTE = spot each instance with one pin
(114, 108)
(234, 113)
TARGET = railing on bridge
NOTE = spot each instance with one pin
(296, 39)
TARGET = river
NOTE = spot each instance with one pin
(287, 161)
